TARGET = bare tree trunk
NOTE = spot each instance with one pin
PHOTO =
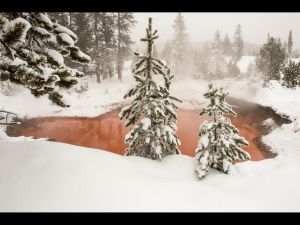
(97, 73)
(96, 48)
(119, 60)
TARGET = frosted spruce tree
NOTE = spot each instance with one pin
(219, 142)
(227, 46)
(290, 44)
(238, 44)
(32, 53)
(125, 22)
(179, 60)
(291, 74)
(272, 57)
(151, 112)
(216, 65)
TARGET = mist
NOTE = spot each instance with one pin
(202, 26)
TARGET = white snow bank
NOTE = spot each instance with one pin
(3, 135)
(48, 176)
(284, 139)
(5, 138)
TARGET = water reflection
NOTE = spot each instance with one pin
(107, 131)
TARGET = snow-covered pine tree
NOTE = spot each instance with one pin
(290, 44)
(151, 113)
(271, 58)
(96, 53)
(81, 24)
(291, 74)
(233, 70)
(179, 48)
(285, 47)
(219, 143)
(238, 43)
(124, 23)
(107, 44)
(32, 53)
(63, 18)
(166, 52)
(227, 46)
(200, 58)
(216, 66)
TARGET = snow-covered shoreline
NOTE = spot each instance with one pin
(47, 176)
(100, 97)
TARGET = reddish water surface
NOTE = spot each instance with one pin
(107, 131)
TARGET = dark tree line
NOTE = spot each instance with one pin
(275, 63)
(105, 36)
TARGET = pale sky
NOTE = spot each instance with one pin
(202, 26)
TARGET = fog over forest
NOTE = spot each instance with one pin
(202, 26)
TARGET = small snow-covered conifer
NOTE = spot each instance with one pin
(151, 112)
(238, 43)
(219, 143)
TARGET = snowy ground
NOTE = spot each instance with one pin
(46, 176)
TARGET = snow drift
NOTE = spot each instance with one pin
(47, 176)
